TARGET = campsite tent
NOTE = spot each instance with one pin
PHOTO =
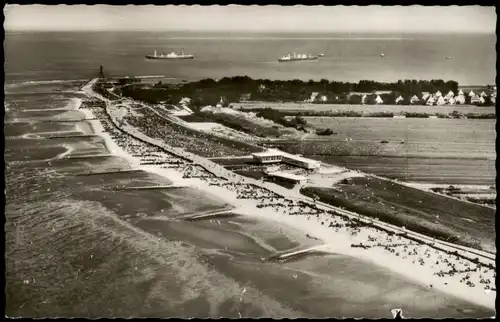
(481, 100)
(431, 101)
(476, 99)
(472, 94)
(414, 99)
(378, 100)
(450, 94)
(425, 95)
(438, 94)
(451, 101)
(363, 99)
(400, 99)
(440, 101)
(460, 92)
(483, 94)
(493, 99)
(460, 99)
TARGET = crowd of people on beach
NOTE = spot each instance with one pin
(443, 264)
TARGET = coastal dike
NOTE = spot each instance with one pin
(333, 243)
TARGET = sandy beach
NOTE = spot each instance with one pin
(339, 234)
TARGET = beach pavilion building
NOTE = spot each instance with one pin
(287, 177)
(277, 156)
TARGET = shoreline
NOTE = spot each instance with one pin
(250, 208)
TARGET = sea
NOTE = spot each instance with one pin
(348, 57)
(77, 246)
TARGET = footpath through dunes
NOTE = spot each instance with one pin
(424, 212)
(345, 232)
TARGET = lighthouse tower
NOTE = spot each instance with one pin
(101, 73)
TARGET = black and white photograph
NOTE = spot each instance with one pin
(245, 161)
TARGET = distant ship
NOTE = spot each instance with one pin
(449, 57)
(172, 55)
(382, 55)
(321, 55)
(296, 57)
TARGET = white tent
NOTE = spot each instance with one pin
(460, 92)
(438, 94)
(324, 98)
(451, 101)
(483, 94)
(450, 94)
(431, 101)
(472, 94)
(378, 100)
(399, 99)
(493, 99)
(425, 95)
(363, 99)
(481, 100)
(476, 99)
(440, 101)
(414, 99)
(460, 99)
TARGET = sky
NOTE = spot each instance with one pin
(252, 18)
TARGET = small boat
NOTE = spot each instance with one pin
(382, 55)
(321, 55)
(449, 57)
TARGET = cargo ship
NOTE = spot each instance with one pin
(172, 55)
(296, 57)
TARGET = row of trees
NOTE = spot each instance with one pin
(231, 89)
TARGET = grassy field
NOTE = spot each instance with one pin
(367, 108)
(424, 212)
(240, 124)
(441, 138)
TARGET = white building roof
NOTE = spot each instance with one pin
(268, 153)
(288, 176)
